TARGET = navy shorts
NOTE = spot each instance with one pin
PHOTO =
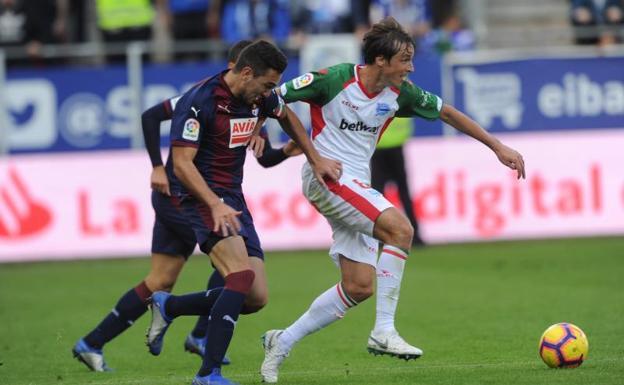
(198, 214)
(172, 233)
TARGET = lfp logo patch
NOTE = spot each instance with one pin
(191, 130)
(303, 81)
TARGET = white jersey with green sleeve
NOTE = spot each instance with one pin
(347, 120)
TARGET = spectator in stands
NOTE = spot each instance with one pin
(190, 20)
(597, 21)
(124, 21)
(30, 25)
(448, 33)
(415, 15)
(322, 16)
(255, 19)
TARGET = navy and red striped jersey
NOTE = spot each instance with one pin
(211, 119)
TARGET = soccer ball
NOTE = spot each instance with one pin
(563, 345)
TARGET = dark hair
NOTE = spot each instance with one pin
(236, 49)
(261, 56)
(386, 39)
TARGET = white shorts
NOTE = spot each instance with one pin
(351, 207)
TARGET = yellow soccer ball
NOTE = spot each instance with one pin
(563, 345)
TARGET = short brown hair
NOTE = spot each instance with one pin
(236, 49)
(386, 39)
(261, 56)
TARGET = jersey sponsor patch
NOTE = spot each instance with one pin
(191, 130)
(382, 109)
(241, 130)
(303, 81)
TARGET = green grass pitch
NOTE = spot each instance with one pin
(477, 310)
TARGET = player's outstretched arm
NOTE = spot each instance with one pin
(322, 167)
(150, 123)
(460, 121)
(224, 217)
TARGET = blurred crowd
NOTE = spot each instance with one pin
(436, 25)
(29, 24)
(597, 21)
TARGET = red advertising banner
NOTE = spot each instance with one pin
(94, 205)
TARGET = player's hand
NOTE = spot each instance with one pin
(225, 219)
(256, 144)
(511, 158)
(159, 180)
(327, 168)
(292, 149)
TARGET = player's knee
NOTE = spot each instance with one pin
(358, 291)
(254, 305)
(402, 234)
(240, 281)
(162, 282)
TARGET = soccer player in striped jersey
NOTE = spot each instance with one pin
(172, 243)
(350, 106)
(211, 126)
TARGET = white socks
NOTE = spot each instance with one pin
(390, 268)
(326, 308)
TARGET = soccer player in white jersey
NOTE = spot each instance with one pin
(350, 106)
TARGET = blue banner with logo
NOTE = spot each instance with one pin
(84, 109)
(542, 94)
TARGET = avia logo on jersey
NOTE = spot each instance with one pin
(241, 130)
(359, 126)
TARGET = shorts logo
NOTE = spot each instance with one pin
(241, 130)
(303, 81)
(191, 130)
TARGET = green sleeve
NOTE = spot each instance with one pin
(414, 101)
(310, 87)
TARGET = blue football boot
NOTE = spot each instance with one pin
(160, 322)
(213, 378)
(198, 346)
(91, 357)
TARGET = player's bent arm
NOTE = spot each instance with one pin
(224, 217)
(271, 156)
(322, 167)
(460, 121)
(291, 124)
(150, 123)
